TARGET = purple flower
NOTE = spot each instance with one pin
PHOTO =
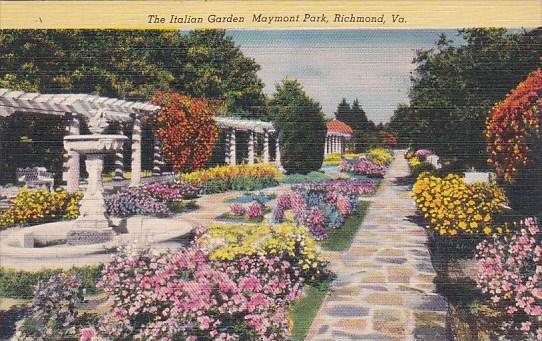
(422, 154)
(363, 166)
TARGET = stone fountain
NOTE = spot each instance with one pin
(93, 226)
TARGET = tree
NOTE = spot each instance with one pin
(364, 130)
(214, 67)
(186, 129)
(302, 127)
(455, 85)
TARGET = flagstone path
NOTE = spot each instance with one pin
(384, 288)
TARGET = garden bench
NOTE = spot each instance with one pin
(35, 177)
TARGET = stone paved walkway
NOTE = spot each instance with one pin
(384, 288)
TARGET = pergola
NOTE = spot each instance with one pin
(231, 125)
(77, 107)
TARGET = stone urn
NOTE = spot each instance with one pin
(92, 225)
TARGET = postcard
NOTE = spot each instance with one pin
(257, 170)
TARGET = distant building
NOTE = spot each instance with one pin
(338, 136)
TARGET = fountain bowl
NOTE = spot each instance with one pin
(94, 144)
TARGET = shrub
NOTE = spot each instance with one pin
(512, 124)
(260, 197)
(302, 128)
(36, 206)
(229, 242)
(133, 201)
(363, 166)
(237, 209)
(332, 159)
(509, 272)
(423, 154)
(162, 191)
(451, 207)
(418, 166)
(54, 313)
(309, 177)
(515, 143)
(186, 129)
(183, 295)
(21, 284)
(255, 211)
(234, 177)
(380, 156)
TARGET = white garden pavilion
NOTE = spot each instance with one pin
(77, 107)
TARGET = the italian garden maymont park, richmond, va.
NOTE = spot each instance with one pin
(154, 186)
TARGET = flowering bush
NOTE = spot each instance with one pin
(450, 206)
(293, 243)
(418, 165)
(363, 166)
(511, 273)
(54, 314)
(380, 156)
(35, 206)
(185, 296)
(132, 201)
(513, 127)
(237, 209)
(389, 138)
(423, 154)
(162, 191)
(186, 129)
(255, 211)
(234, 177)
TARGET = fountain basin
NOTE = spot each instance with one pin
(94, 144)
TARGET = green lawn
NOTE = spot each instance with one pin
(303, 312)
(341, 239)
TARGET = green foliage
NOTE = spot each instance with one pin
(297, 178)
(20, 284)
(302, 127)
(454, 86)
(364, 129)
(242, 183)
(341, 239)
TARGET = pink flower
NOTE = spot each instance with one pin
(526, 326)
(87, 334)
(237, 209)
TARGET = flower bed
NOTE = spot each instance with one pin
(363, 166)
(252, 212)
(186, 295)
(510, 273)
(418, 165)
(380, 156)
(321, 206)
(248, 197)
(37, 206)
(234, 177)
(228, 242)
(451, 207)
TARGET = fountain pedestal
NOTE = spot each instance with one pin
(92, 225)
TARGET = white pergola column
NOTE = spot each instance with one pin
(71, 159)
(157, 159)
(265, 146)
(233, 151)
(277, 152)
(136, 152)
(251, 147)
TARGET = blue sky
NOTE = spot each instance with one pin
(372, 65)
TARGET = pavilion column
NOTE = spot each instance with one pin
(233, 151)
(340, 144)
(157, 162)
(328, 147)
(277, 152)
(265, 146)
(251, 147)
(119, 164)
(136, 152)
(71, 159)
(336, 144)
